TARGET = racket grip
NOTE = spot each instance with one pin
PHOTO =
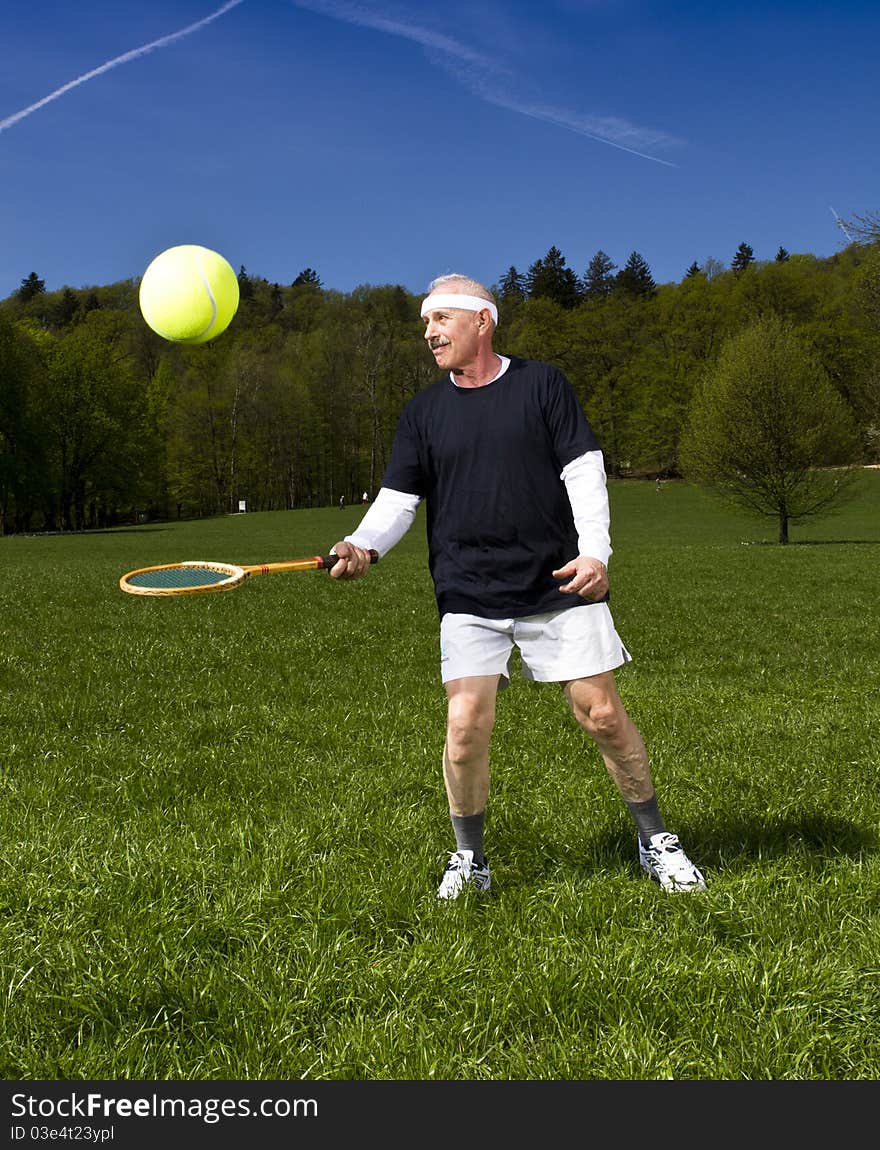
(328, 561)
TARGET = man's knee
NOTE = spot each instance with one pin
(469, 722)
(598, 708)
(603, 720)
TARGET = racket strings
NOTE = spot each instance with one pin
(177, 578)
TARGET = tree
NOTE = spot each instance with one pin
(634, 278)
(92, 411)
(510, 293)
(598, 280)
(512, 287)
(868, 288)
(693, 270)
(865, 228)
(295, 404)
(30, 287)
(768, 431)
(744, 256)
(245, 284)
(868, 297)
(307, 276)
(782, 255)
(21, 465)
(712, 268)
(65, 308)
(549, 278)
(679, 335)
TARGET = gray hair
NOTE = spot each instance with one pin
(464, 283)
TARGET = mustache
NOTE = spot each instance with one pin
(437, 341)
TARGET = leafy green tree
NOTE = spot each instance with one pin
(786, 287)
(158, 432)
(542, 329)
(92, 410)
(673, 337)
(21, 468)
(367, 407)
(297, 403)
(65, 308)
(782, 255)
(598, 280)
(693, 270)
(867, 294)
(768, 431)
(867, 284)
(608, 347)
(592, 346)
(743, 258)
(206, 418)
(551, 279)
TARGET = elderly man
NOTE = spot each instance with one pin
(518, 542)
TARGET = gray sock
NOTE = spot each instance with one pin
(469, 834)
(647, 818)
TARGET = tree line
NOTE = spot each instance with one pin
(102, 422)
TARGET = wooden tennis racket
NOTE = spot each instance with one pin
(194, 577)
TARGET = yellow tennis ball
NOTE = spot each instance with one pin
(189, 294)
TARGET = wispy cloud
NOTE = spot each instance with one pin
(483, 75)
(611, 130)
(134, 54)
(490, 81)
(355, 14)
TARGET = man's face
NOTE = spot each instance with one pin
(452, 335)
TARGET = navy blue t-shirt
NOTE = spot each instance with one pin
(487, 462)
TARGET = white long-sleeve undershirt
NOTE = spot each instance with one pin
(392, 512)
(389, 518)
(585, 482)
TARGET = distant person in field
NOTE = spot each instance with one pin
(341, 502)
(518, 540)
(365, 499)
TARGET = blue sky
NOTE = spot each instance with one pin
(390, 142)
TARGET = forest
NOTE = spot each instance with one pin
(103, 423)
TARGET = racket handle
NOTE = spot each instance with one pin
(328, 561)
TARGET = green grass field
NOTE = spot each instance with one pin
(223, 820)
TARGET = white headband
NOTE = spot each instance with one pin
(439, 302)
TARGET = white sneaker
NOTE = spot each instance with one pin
(665, 862)
(461, 870)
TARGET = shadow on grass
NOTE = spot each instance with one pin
(721, 846)
(814, 543)
(89, 531)
(732, 843)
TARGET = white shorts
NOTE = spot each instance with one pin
(556, 646)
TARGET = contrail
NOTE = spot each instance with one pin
(480, 75)
(841, 224)
(600, 129)
(134, 54)
(348, 14)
